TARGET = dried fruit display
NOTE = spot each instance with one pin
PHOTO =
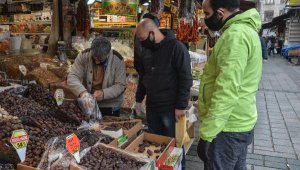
(49, 123)
(8, 123)
(40, 95)
(151, 148)
(42, 76)
(124, 125)
(100, 157)
(21, 106)
(73, 111)
(114, 119)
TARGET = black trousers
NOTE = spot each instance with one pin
(228, 151)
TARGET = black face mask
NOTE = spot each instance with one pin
(213, 23)
(148, 43)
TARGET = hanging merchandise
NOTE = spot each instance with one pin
(157, 6)
(186, 9)
(82, 18)
(188, 30)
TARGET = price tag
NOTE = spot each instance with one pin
(19, 139)
(43, 65)
(59, 96)
(122, 139)
(23, 69)
(73, 146)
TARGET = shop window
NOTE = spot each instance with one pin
(269, 15)
(269, 2)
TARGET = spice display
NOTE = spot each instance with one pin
(188, 31)
(100, 157)
(21, 106)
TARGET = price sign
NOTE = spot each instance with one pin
(122, 140)
(19, 139)
(59, 96)
(73, 146)
(23, 69)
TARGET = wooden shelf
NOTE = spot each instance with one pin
(39, 44)
(29, 22)
(31, 33)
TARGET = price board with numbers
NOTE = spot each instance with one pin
(19, 139)
(73, 146)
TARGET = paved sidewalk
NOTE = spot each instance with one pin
(276, 142)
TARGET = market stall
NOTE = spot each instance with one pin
(33, 121)
(46, 127)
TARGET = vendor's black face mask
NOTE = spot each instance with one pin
(148, 43)
(214, 23)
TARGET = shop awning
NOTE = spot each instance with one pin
(277, 20)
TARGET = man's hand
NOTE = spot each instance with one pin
(99, 95)
(138, 108)
(82, 94)
(85, 96)
(179, 114)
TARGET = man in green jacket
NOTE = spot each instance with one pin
(227, 99)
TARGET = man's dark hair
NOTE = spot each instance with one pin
(230, 5)
(101, 46)
(154, 18)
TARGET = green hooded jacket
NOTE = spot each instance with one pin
(231, 77)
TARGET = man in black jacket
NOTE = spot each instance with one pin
(165, 77)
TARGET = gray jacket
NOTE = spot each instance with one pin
(80, 78)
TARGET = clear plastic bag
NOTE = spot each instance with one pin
(88, 104)
(55, 150)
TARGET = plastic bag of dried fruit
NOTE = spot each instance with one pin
(91, 125)
(54, 150)
(111, 158)
(88, 104)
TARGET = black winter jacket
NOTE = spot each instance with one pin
(164, 75)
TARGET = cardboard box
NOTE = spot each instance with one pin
(191, 133)
(147, 166)
(25, 167)
(134, 146)
(177, 163)
(131, 132)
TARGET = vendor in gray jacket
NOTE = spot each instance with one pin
(100, 71)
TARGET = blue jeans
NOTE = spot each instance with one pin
(163, 124)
